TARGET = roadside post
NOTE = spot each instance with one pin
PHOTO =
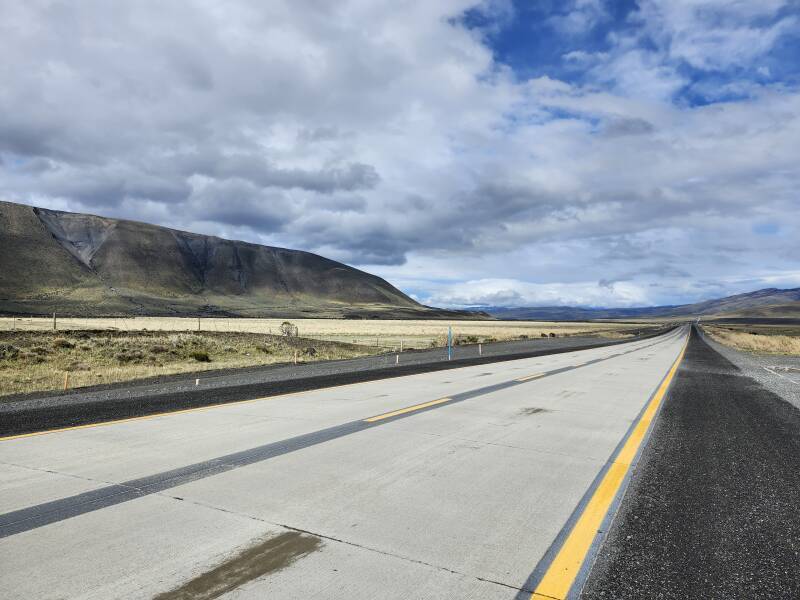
(449, 342)
(480, 350)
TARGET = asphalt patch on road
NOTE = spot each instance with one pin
(532, 410)
(712, 509)
(264, 558)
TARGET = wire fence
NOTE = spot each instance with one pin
(388, 335)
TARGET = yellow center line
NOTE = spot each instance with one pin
(408, 409)
(529, 377)
(561, 573)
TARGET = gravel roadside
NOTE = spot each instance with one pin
(711, 510)
(779, 374)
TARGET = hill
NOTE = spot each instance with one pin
(85, 265)
(766, 303)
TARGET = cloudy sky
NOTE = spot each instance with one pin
(520, 153)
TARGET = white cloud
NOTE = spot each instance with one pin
(716, 34)
(386, 135)
(512, 292)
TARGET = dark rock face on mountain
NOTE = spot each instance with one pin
(86, 265)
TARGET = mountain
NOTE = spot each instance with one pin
(85, 265)
(766, 303)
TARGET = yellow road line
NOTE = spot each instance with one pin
(409, 409)
(201, 408)
(561, 573)
(140, 418)
(529, 377)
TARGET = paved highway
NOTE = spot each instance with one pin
(486, 481)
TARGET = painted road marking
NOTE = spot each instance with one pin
(774, 372)
(54, 511)
(235, 402)
(181, 411)
(408, 409)
(561, 573)
(529, 377)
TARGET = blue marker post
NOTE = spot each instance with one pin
(449, 342)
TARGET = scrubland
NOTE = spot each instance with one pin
(80, 352)
(46, 360)
(762, 340)
(384, 333)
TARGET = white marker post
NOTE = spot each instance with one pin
(480, 351)
(449, 342)
(397, 359)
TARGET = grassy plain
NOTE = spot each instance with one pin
(761, 339)
(89, 351)
(41, 360)
(386, 334)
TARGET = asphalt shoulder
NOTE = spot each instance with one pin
(711, 510)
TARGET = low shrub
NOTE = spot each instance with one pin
(62, 343)
(8, 351)
(77, 366)
(200, 356)
(128, 356)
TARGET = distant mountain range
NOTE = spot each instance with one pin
(85, 265)
(766, 303)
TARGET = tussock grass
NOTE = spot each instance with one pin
(38, 360)
(382, 333)
(761, 343)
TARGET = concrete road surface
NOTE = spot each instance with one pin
(487, 481)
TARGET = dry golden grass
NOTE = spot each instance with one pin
(39, 360)
(755, 342)
(386, 334)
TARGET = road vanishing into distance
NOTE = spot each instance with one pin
(648, 469)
